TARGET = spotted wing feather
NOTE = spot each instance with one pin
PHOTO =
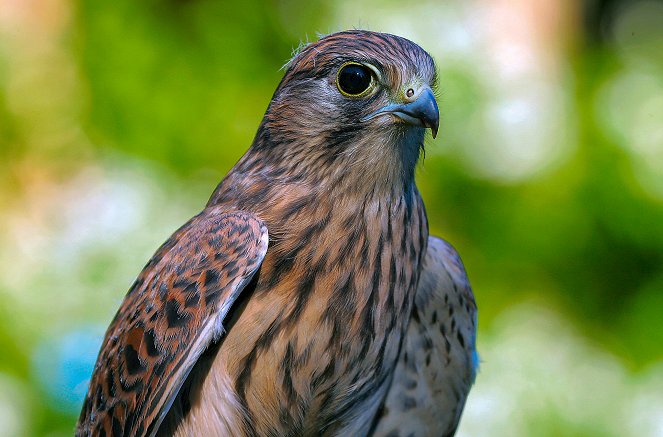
(438, 360)
(171, 314)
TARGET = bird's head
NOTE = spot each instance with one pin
(353, 103)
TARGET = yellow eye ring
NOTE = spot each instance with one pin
(354, 79)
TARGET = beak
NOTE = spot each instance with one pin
(421, 112)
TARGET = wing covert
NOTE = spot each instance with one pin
(171, 314)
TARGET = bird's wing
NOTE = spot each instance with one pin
(438, 360)
(172, 313)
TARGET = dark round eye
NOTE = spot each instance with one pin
(353, 79)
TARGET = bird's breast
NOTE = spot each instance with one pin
(315, 345)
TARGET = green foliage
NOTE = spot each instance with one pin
(183, 83)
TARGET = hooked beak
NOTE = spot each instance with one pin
(421, 112)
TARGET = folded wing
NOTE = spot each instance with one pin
(438, 359)
(172, 313)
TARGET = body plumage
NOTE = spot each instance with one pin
(282, 307)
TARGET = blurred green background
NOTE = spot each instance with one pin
(118, 118)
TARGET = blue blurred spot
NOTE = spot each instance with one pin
(63, 366)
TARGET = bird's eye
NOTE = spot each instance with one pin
(353, 79)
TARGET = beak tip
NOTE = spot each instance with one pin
(430, 113)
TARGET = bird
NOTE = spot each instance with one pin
(307, 298)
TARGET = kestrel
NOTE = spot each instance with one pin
(307, 297)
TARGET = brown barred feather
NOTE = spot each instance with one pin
(222, 335)
(174, 310)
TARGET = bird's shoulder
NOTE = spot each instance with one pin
(443, 274)
(445, 301)
(174, 310)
